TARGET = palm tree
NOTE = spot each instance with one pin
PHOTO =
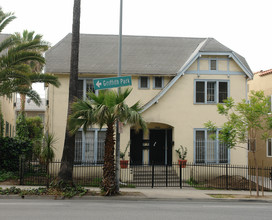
(65, 175)
(105, 109)
(21, 61)
(14, 69)
(39, 46)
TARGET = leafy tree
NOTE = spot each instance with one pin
(245, 120)
(21, 127)
(65, 176)
(105, 109)
(35, 134)
(30, 129)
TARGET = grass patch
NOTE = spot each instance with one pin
(222, 196)
(127, 186)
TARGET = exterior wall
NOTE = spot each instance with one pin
(261, 83)
(176, 109)
(56, 113)
(9, 114)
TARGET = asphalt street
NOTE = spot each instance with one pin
(132, 209)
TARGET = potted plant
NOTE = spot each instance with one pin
(182, 153)
(123, 162)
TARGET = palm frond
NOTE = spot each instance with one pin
(12, 58)
(5, 19)
(44, 78)
(7, 43)
(104, 109)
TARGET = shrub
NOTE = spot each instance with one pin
(11, 149)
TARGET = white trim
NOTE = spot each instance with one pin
(180, 73)
(196, 54)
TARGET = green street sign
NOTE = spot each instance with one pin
(112, 82)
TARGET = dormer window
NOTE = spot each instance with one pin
(213, 65)
(158, 82)
(144, 82)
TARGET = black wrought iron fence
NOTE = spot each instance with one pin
(217, 176)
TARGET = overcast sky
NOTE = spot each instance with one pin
(242, 25)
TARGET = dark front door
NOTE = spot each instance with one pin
(157, 146)
(136, 147)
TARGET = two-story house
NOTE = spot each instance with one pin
(262, 81)
(178, 80)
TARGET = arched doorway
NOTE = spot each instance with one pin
(155, 146)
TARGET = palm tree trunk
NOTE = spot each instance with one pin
(108, 182)
(65, 175)
(23, 100)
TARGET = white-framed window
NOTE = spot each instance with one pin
(208, 150)
(7, 129)
(90, 146)
(84, 86)
(211, 91)
(158, 82)
(270, 103)
(269, 148)
(213, 64)
(143, 82)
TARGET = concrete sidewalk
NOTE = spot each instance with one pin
(191, 193)
(175, 193)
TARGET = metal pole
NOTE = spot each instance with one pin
(117, 171)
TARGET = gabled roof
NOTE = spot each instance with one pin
(30, 105)
(141, 54)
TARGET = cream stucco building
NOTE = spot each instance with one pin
(179, 81)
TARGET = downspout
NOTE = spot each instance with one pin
(247, 78)
(247, 88)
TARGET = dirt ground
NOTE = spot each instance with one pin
(239, 196)
(233, 182)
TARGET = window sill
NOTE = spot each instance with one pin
(207, 103)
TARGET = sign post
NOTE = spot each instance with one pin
(112, 82)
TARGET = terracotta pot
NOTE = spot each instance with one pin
(182, 163)
(123, 163)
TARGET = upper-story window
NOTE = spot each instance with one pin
(84, 86)
(158, 82)
(211, 91)
(213, 65)
(270, 103)
(269, 147)
(144, 82)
